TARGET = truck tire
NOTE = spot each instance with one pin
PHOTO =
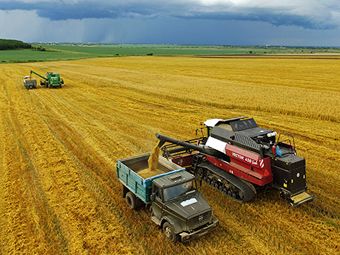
(169, 231)
(133, 201)
(130, 199)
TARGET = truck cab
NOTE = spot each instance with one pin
(179, 209)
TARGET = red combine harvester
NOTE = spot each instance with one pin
(240, 158)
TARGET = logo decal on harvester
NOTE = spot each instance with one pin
(254, 162)
(261, 163)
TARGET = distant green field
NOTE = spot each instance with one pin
(32, 55)
(71, 51)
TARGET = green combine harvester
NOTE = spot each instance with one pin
(51, 80)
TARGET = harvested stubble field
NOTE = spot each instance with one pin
(59, 192)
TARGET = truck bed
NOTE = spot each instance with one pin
(30, 83)
(134, 174)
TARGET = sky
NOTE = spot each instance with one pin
(219, 22)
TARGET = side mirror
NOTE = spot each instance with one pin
(152, 197)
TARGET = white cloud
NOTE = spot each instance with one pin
(28, 26)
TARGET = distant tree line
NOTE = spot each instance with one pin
(13, 44)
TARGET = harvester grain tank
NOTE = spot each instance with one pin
(175, 204)
(240, 158)
(51, 80)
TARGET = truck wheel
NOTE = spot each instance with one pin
(133, 201)
(169, 232)
(130, 199)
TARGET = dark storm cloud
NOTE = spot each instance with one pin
(278, 19)
(312, 14)
(81, 10)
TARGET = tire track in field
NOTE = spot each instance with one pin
(124, 84)
(97, 174)
(36, 218)
(98, 177)
(3, 171)
(125, 88)
(69, 198)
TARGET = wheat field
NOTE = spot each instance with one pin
(58, 147)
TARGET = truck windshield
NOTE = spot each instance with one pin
(176, 191)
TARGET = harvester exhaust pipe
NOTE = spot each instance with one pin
(201, 148)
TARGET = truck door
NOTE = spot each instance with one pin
(157, 204)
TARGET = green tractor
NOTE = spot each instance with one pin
(51, 80)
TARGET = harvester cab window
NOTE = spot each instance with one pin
(240, 125)
(225, 126)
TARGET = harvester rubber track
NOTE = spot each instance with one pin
(228, 184)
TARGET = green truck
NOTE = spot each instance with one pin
(171, 194)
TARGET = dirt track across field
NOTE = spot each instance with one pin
(58, 147)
